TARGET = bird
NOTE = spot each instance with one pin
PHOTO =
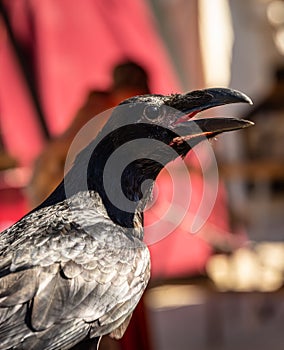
(75, 267)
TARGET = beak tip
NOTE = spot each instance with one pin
(249, 100)
(230, 95)
(236, 124)
(247, 123)
(241, 97)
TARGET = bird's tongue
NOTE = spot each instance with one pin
(181, 139)
(185, 117)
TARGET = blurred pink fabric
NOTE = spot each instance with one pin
(74, 46)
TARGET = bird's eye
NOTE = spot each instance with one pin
(151, 112)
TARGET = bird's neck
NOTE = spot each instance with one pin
(124, 194)
(125, 190)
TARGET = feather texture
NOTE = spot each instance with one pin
(67, 279)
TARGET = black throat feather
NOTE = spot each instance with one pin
(135, 182)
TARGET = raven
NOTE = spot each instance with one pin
(76, 266)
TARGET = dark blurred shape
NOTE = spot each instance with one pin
(265, 144)
(6, 160)
(129, 79)
(130, 75)
(274, 100)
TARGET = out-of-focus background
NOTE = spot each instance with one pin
(64, 61)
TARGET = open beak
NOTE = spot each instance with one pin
(191, 103)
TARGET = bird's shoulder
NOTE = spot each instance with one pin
(76, 229)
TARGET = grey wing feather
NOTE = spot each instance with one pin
(67, 282)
